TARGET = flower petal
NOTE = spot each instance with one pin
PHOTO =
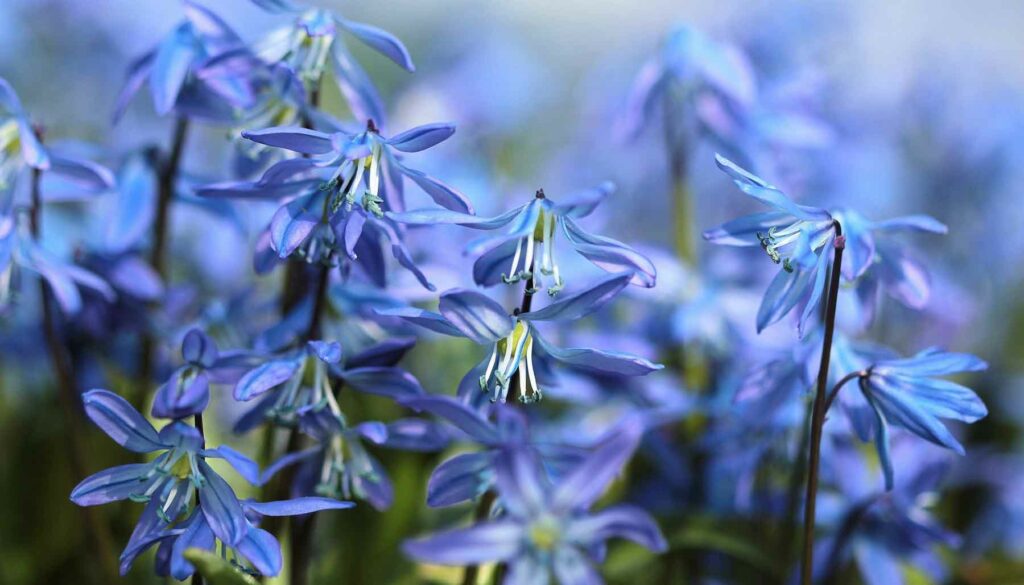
(465, 418)
(383, 42)
(569, 308)
(294, 138)
(491, 541)
(121, 421)
(114, 484)
(421, 137)
(478, 317)
(460, 479)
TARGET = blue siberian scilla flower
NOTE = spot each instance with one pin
(314, 40)
(339, 192)
(176, 73)
(168, 483)
(526, 248)
(515, 341)
(548, 530)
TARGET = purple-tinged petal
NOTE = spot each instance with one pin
(385, 353)
(171, 64)
(83, 173)
(878, 565)
(597, 360)
(357, 87)
(426, 319)
(460, 479)
(328, 351)
(288, 460)
(198, 348)
(249, 190)
(478, 317)
(134, 207)
(261, 549)
(921, 223)
(446, 216)
(185, 394)
(284, 170)
(121, 421)
(783, 293)
(522, 482)
(462, 416)
(585, 483)
(576, 306)
(297, 506)
(294, 223)
(583, 203)
(221, 507)
(490, 268)
(571, 567)
(413, 434)
(197, 534)
(442, 194)
(743, 231)
(622, 521)
(294, 138)
(138, 72)
(383, 42)
(767, 194)
(114, 484)
(644, 95)
(265, 377)
(392, 382)
(491, 541)
(421, 137)
(245, 467)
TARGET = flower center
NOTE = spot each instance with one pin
(544, 533)
(516, 357)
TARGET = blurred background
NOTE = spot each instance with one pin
(922, 102)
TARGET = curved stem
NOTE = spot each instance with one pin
(69, 397)
(818, 412)
(842, 382)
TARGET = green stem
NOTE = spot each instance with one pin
(818, 413)
(483, 510)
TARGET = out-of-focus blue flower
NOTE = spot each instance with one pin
(514, 339)
(527, 249)
(187, 391)
(259, 547)
(795, 236)
(883, 531)
(547, 530)
(296, 393)
(908, 393)
(709, 81)
(468, 475)
(175, 70)
(308, 44)
(338, 194)
(166, 484)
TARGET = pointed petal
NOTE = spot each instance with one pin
(121, 421)
(583, 303)
(383, 42)
(421, 137)
(478, 317)
(491, 541)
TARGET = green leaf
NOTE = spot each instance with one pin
(704, 536)
(215, 570)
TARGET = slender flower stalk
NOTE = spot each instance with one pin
(820, 408)
(70, 402)
(167, 178)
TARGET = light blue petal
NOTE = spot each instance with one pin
(114, 484)
(245, 467)
(297, 506)
(587, 481)
(265, 377)
(462, 478)
(392, 382)
(294, 138)
(442, 194)
(576, 306)
(426, 319)
(462, 416)
(383, 42)
(611, 255)
(261, 549)
(221, 507)
(421, 137)
(173, 59)
(767, 194)
(121, 421)
(476, 316)
(491, 541)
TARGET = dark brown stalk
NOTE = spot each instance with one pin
(167, 177)
(818, 413)
(69, 398)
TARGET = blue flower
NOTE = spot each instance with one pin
(166, 484)
(548, 529)
(515, 340)
(338, 194)
(187, 392)
(301, 381)
(795, 236)
(909, 393)
(308, 45)
(713, 79)
(259, 547)
(527, 249)
(175, 70)
(468, 475)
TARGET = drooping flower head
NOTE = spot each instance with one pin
(547, 529)
(525, 250)
(177, 70)
(314, 43)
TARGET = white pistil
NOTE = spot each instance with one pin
(490, 368)
(513, 273)
(530, 371)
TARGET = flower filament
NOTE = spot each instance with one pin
(516, 358)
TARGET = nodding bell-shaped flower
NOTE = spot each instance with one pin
(313, 42)
(516, 345)
(526, 249)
